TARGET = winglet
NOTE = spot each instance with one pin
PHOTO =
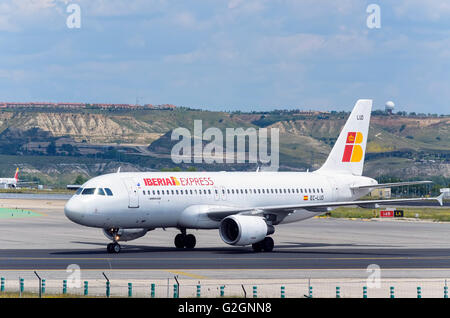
(440, 199)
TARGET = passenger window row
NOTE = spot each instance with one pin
(176, 192)
(235, 191)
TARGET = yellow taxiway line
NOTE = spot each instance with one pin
(183, 273)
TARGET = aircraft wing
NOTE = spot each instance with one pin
(389, 185)
(222, 212)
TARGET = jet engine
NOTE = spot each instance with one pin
(124, 234)
(244, 229)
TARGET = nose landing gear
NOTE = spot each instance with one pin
(113, 247)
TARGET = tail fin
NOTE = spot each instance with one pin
(16, 175)
(347, 155)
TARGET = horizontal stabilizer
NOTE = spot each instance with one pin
(389, 185)
(369, 206)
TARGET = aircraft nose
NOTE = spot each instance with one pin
(75, 210)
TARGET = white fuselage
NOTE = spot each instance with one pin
(8, 182)
(173, 199)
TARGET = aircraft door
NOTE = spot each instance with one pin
(133, 192)
(216, 193)
(223, 192)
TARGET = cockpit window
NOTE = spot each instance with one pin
(108, 191)
(100, 191)
(79, 191)
(88, 191)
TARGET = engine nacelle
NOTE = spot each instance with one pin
(125, 234)
(244, 229)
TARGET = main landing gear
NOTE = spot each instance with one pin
(113, 247)
(184, 240)
(265, 245)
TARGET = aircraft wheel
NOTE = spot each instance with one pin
(190, 241)
(267, 244)
(109, 247)
(257, 247)
(179, 241)
(116, 248)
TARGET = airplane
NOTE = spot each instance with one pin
(11, 182)
(245, 207)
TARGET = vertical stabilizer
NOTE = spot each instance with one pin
(347, 155)
(16, 175)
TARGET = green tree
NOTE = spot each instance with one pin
(80, 179)
(51, 148)
(176, 169)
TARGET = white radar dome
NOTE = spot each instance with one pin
(390, 105)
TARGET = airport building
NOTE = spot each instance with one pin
(384, 193)
(446, 192)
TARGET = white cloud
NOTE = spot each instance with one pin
(293, 46)
(418, 10)
(310, 45)
(187, 20)
(323, 8)
(247, 6)
(136, 41)
(186, 58)
(6, 25)
(276, 51)
(234, 3)
(16, 75)
(109, 8)
(438, 48)
(17, 15)
(33, 5)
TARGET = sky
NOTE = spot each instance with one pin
(250, 55)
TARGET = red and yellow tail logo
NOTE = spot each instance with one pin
(353, 151)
